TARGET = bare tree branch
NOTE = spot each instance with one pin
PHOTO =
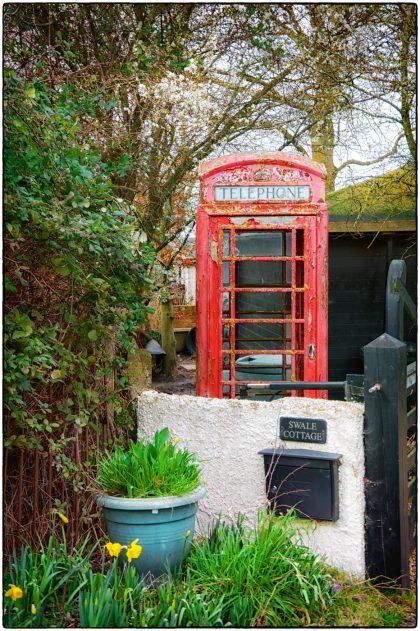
(376, 160)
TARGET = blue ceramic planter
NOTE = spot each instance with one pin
(163, 525)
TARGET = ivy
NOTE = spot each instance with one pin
(77, 276)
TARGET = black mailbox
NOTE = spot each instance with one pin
(304, 479)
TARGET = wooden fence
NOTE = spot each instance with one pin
(390, 459)
(390, 387)
(35, 485)
(57, 473)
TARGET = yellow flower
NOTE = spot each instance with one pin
(113, 548)
(14, 592)
(133, 551)
(187, 534)
(175, 440)
(33, 609)
(63, 518)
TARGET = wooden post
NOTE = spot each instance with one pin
(139, 371)
(168, 337)
(386, 490)
(394, 314)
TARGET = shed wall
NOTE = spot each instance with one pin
(358, 268)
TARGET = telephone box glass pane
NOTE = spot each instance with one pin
(263, 274)
(300, 278)
(253, 305)
(259, 367)
(226, 274)
(300, 298)
(226, 243)
(260, 243)
(259, 336)
(225, 304)
(299, 242)
(299, 336)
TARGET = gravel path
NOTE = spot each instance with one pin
(182, 382)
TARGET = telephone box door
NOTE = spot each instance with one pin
(266, 329)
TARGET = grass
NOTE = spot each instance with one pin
(265, 577)
(235, 578)
(360, 604)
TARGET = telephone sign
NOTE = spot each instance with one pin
(261, 193)
(262, 273)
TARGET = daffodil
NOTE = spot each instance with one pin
(63, 518)
(14, 592)
(33, 609)
(133, 551)
(113, 548)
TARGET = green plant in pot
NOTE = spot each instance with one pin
(150, 493)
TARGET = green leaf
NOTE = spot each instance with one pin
(30, 92)
(55, 183)
(92, 335)
(25, 329)
(9, 286)
(60, 266)
(24, 385)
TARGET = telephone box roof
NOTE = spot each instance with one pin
(263, 157)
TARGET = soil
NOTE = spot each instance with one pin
(183, 380)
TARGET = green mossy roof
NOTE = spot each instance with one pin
(391, 196)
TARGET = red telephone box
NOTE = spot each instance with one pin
(262, 273)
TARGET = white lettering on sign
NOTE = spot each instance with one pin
(262, 193)
(306, 430)
(315, 437)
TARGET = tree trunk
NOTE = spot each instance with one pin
(407, 31)
(322, 141)
(167, 337)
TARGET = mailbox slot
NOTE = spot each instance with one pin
(304, 479)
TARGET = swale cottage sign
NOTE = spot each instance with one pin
(305, 430)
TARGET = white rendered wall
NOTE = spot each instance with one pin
(227, 435)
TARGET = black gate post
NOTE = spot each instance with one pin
(394, 304)
(386, 492)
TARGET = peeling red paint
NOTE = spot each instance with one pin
(232, 319)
